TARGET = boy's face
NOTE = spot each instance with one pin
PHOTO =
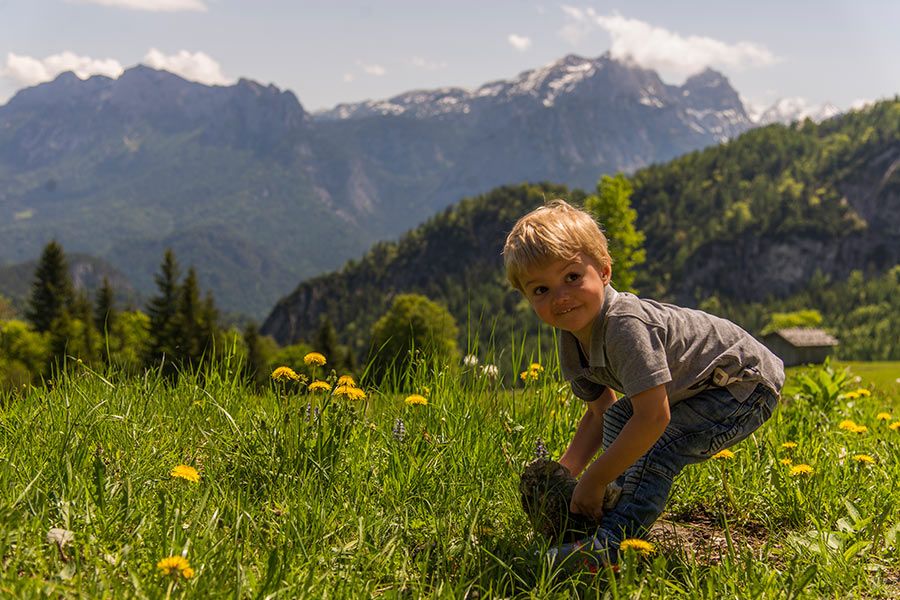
(567, 294)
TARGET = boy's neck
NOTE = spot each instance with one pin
(585, 345)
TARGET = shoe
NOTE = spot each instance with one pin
(589, 554)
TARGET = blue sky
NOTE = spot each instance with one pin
(329, 52)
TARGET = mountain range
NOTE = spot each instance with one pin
(747, 222)
(258, 194)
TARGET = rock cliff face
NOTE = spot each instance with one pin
(755, 267)
(122, 168)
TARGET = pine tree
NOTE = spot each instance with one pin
(163, 312)
(51, 290)
(209, 326)
(255, 366)
(87, 342)
(191, 334)
(105, 309)
(612, 207)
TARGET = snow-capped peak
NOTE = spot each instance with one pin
(788, 110)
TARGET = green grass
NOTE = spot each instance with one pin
(337, 506)
(884, 375)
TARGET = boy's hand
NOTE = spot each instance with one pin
(588, 498)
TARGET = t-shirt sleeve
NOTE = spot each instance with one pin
(636, 353)
(587, 390)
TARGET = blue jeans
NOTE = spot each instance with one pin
(700, 426)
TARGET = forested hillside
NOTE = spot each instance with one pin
(757, 217)
(752, 220)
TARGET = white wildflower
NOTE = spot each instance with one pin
(490, 371)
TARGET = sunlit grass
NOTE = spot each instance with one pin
(316, 495)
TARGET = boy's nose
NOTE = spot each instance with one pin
(560, 297)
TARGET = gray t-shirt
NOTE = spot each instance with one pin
(637, 344)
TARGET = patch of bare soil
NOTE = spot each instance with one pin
(703, 538)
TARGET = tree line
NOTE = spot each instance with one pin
(180, 330)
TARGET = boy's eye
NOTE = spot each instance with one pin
(570, 277)
(538, 290)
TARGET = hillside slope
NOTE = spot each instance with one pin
(752, 219)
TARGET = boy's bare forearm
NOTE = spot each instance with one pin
(585, 443)
(588, 435)
(635, 439)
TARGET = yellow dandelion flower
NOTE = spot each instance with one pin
(185, 472)
(536, 367)
(864, 458)
(285, 374)
(786, 462)
(860, 429)
(529, 375)
(416, 399)
(315, 359)
(883, 416)
(351, 393)
(187, 573)
(789, 445)
(723, 454)
(174, 565)
(319, 386)
(801, 470)
(851, 395)
(894, 426)
(847, 425)
(346, 380)
(865, 393)
(641, 546)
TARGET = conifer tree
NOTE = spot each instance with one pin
(105, 310)
(191, 330)
(51, 290)
(209, 326)
(255, 366)
(612, 207)
(163, 312)
(83, 313)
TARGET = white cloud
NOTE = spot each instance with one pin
(151, 5)
(519, 42)
(861, 103)
(196, 66)
(578, 26)
(421, 63)
(27, 71)
(348, 77)
(376, 70)
(658, 48)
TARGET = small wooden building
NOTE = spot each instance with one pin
(800, 345)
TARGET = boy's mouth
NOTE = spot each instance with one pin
(566, 311)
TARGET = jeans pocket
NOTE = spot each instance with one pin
(749, 420)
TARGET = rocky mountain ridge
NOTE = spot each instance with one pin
(258, 194)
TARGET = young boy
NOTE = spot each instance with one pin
(693, 383)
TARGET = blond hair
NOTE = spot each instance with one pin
(555, 231)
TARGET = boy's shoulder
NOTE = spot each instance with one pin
(649, 311)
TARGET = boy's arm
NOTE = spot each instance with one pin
(589, 434)
(643, 429)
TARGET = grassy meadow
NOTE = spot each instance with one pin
(334, 495)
